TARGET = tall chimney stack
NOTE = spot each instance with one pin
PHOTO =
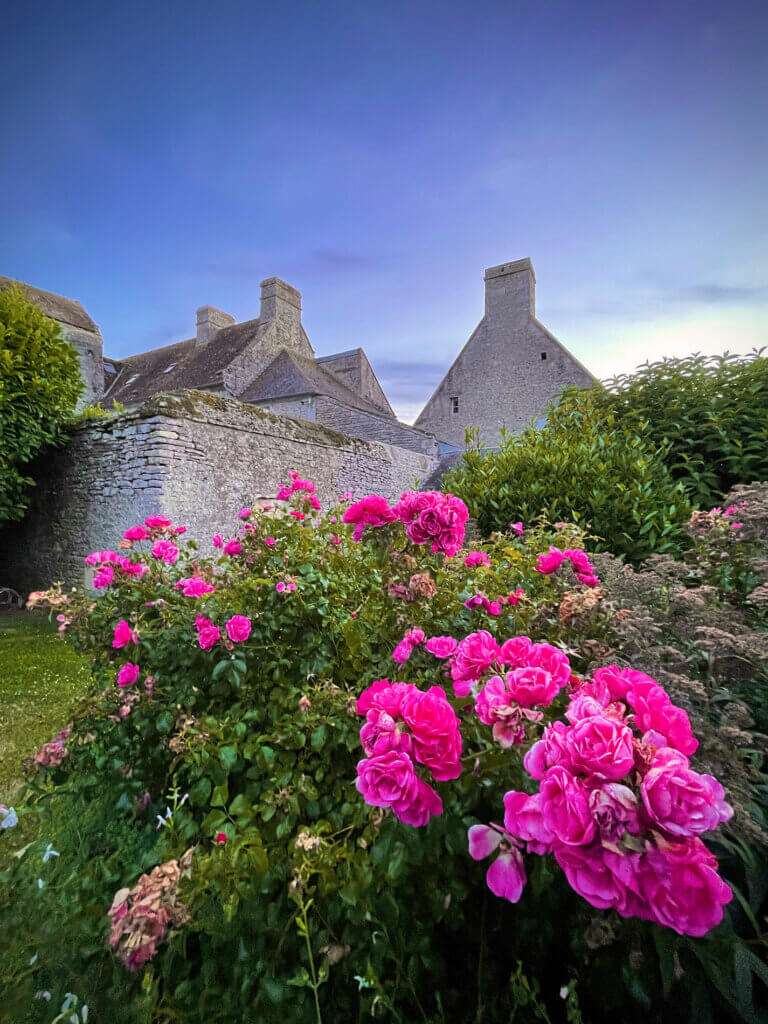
(510, 291)
(209, 321)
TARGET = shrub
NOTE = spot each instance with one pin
(203, 853)
(709, 414)
(583, 466)
(39, 387)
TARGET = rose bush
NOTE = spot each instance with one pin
(301, 738)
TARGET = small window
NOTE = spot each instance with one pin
(543, 356)
(169, 368)
(455, 404)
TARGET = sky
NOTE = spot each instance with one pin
(157, 157)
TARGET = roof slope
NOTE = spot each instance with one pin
(289, 375)
(181, 365)
(66, 311)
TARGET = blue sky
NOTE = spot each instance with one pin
(158, 157)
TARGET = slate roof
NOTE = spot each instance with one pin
(179, 366)
(66, 311)
(289, 375)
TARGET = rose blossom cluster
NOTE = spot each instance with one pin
(238, 629)
(619, 807)
(496, 607)
(141, 917)
(107, 563)
(429, 517)
(52, 753)
(552, 560)
(405, 726)
(304, 489)
(536, 675)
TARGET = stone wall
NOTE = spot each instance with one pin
(196, 457)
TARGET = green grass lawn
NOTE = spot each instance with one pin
(41, 678)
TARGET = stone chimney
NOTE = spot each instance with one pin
(510, 291)
(209, 321)
(281, 302)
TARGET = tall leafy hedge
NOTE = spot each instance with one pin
(585, 465)
(710, 414)
(39, 387)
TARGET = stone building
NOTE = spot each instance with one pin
(508, 371)
(78, 329)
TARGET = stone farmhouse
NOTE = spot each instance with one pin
(206, 424)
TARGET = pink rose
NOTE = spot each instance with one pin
(387, 779)
(238, 628)
(548, 751)
(415, 637)
(655, 711)
(682, 888)
(165, 551)
(583, 706)
(532, 686)
(565, 807)
(435, 730)
(104, 577)
(372, 511)
(245, 512)
(124, 635)
(270, 542)
(128, 674)
(381, 733)
(233, 547)
(679, 800)
(518, 529)
(217, 540)
(157, 522)
(588, 874)
(441, 646)
(524, 820)
(475, 558)
(424, 804)
(550, 562)
(194, 586)
(601, 747)
(474, 657)
(208, 636)
(385, 696)
(136, 533)
(402, 652)
(433, 518)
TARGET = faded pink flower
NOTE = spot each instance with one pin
(615, 811)
(238, 628)
(217, 540)
(506, 875)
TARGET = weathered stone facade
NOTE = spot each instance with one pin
(511, 368)
(193, 456)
